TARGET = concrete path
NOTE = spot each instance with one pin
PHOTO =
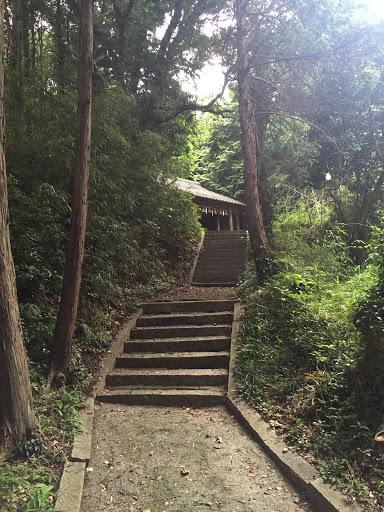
(180, 460)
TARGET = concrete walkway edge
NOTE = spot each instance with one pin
(71, 485)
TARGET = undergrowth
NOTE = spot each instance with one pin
(28, 481)
(125, 263)
(301, 361)
(26, 486)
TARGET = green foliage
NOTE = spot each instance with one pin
(300, 360)
(26, 487)
(37, 238)
(218, 156)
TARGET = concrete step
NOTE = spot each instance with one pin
(204, 397)
(201, 344)
(212, 284)
(180, 331)
(212, 265)
(242, 242)
(218, 271)
(161, 377)
(219, 318)
(215, 278)
(222, 255)
(225, 234)
(214, 262)
(174, 360)
(187, 306)
(223, 246)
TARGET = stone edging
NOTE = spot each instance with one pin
(302, 475)
(71, 486)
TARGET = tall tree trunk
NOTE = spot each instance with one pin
(261, 250)
(16, 412)
(65, 325)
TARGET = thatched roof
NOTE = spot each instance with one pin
(199, 191)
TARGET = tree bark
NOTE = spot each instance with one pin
(16, 411)
(65, 324)
(261, 250)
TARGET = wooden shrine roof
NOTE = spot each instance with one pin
(199, 191)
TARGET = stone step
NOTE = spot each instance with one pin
(212, 284)
(201, 344)
(242, 242)
(218, 271)
(222, 255)
(215, 278)
(225, 234)
(180, 331)
(187, 306)
(222, 251)
(219, 318)
(174, 360)
(204, 397)
(221, 262)
(228, 265)
(160, 377)
(223, 247)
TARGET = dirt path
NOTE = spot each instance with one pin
(180, 460)
(186, 291)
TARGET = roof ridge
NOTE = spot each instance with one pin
(197, 190)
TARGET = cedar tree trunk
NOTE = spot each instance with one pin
(259, 240)
(66, 318)
(16, 412)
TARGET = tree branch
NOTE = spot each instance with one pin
(190, 107)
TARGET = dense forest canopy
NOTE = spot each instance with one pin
(306, 82)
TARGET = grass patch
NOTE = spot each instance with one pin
(300, 363)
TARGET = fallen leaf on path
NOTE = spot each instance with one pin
(251, 474)
(157, 477)
(184, 471)
(209, 503)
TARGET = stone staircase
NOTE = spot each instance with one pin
(221, 259)
(178, 354)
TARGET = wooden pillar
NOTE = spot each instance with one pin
(237, 221)
(218, 222)
(230, 221)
